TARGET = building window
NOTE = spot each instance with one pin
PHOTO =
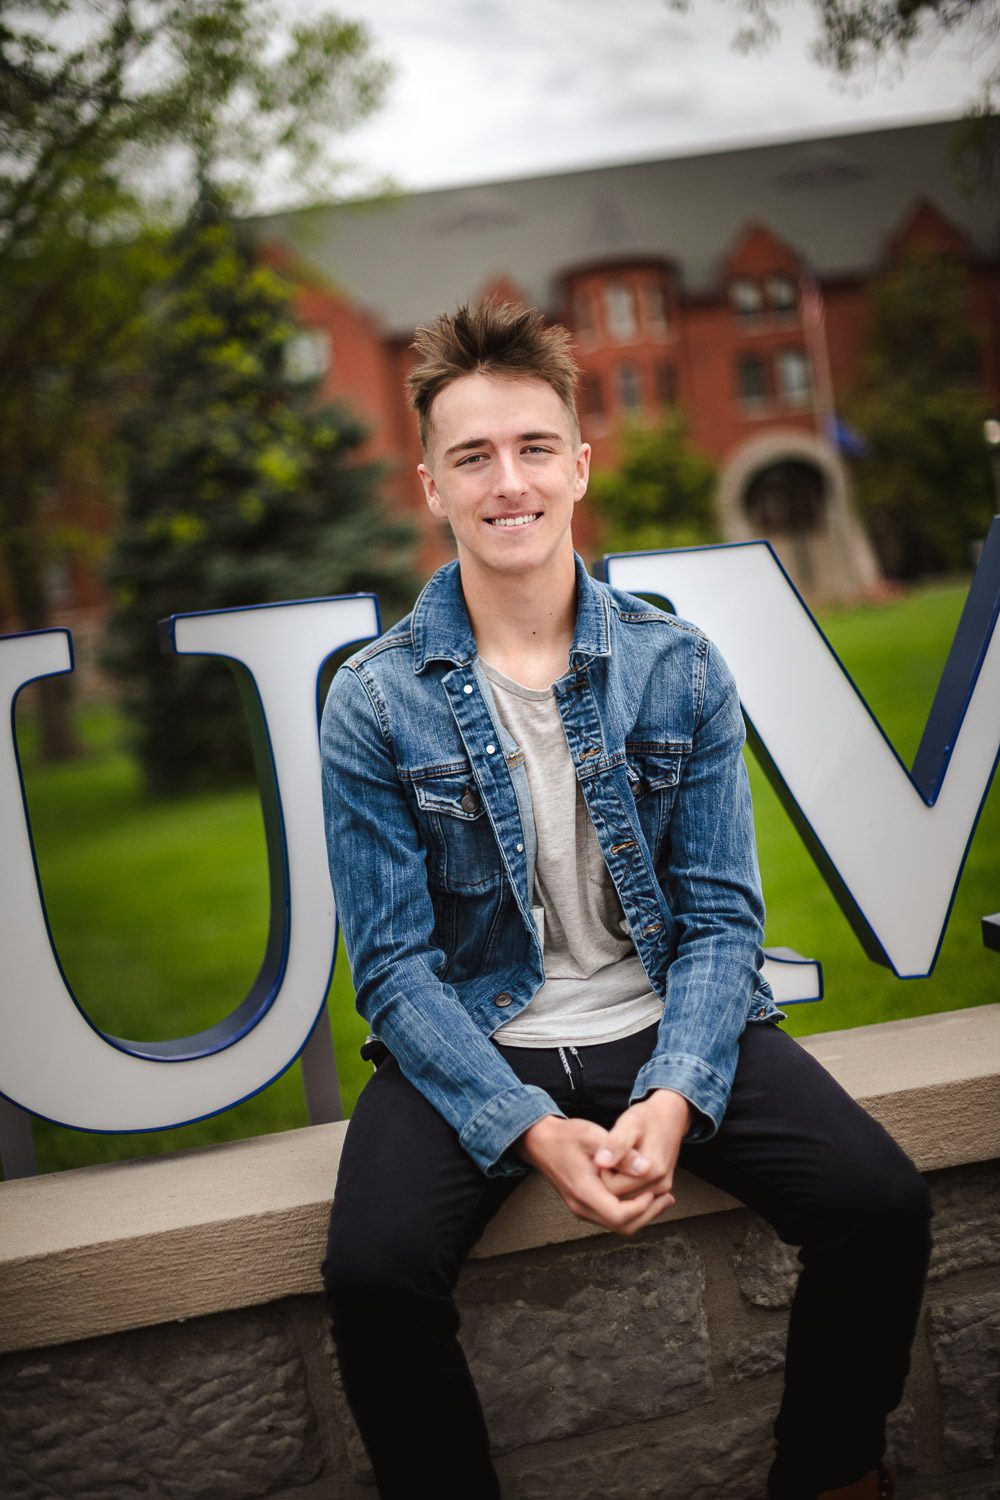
(746, 298)
(752, 382)
(591, 396)
(308, 354)
(782, 294)
(619, 310)
(629, 388)
(794, 377)
(665, 377)
(656, 310)
(583, 313)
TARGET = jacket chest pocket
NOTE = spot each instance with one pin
(462, 853)
(654, 775)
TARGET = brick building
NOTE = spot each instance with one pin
(734, 283)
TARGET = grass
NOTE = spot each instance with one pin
(159, 909)
(895, 652)
(159, 912)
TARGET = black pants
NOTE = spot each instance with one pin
(410, 1204)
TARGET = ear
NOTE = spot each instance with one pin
(582, 475)
(430, 492)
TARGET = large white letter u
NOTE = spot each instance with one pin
(53, 1060)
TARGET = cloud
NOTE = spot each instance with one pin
(488, 89)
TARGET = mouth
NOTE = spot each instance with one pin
(524, 519)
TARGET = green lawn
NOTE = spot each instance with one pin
(159, 909)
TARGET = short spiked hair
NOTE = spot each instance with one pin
(490, 338)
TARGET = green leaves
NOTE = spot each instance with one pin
(924, 489)
(661, 494)
(239, 489)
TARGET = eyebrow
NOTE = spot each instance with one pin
(468, 444)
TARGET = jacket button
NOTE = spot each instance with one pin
(491, 749)
(503, 999)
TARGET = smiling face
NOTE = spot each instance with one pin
(505, 467)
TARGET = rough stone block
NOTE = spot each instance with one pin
(591, 1338)
(354, 1449)
(211, 1410)
(761, 1354)
(766, 1269)
(901, 1431)
(966, 1225)
(965, 1341)
(988, 1491)
(717, 1461)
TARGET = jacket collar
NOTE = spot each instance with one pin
(442, 632)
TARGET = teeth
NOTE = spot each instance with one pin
(513, 520)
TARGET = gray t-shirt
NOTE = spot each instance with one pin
(595, 989)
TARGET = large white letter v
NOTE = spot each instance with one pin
(890, 842)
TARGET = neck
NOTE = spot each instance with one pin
(524, 624)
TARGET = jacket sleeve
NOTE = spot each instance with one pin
(379, 874)
(712, 886)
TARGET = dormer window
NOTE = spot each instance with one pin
(746, 298)
(782, 294)
(619, 311)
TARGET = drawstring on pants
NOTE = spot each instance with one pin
(566, 1067)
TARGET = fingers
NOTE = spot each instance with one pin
(629, 1215)
(621, 1138)
(624, 1185)
(660, 1202)
(567, 1153)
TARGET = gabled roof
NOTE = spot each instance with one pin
(836, 200)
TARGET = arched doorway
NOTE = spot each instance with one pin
(786, 502)
(790, 487)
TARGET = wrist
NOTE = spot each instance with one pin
(528, 1143)
(671, 1105)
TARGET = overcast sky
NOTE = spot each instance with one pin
(486, 89)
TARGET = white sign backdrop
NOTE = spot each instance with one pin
(891, 842)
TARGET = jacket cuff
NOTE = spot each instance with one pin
(704, 1089)
(489, 1135)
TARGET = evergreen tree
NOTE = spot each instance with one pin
(238, 489)
(662, 492)
(113, 115)
(924, 486)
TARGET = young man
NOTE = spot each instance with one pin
(543, 857)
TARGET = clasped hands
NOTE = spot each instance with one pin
(619, 1178)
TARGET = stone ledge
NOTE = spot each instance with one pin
(101, 1249)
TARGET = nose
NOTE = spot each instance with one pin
(508, 475)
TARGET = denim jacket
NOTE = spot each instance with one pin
(431, 848)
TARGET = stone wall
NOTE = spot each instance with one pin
(645, 1369)
(609, 1370)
